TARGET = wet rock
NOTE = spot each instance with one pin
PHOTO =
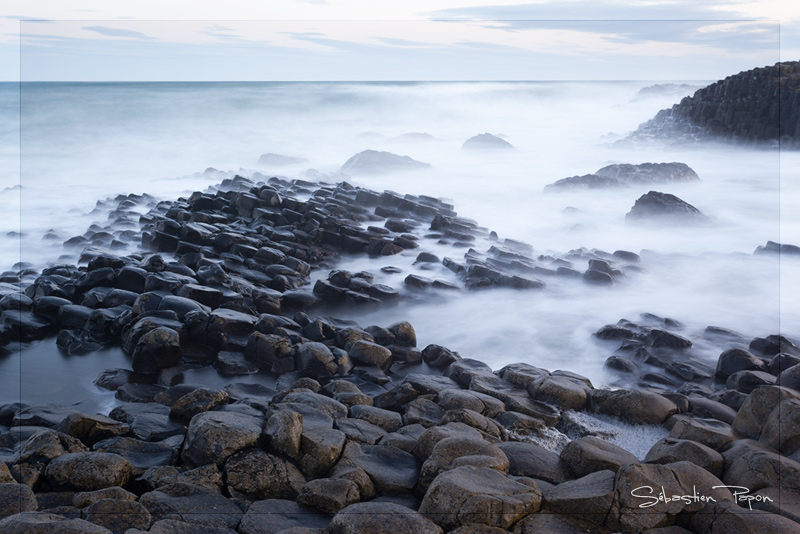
(453, 399)
(391, 470)
(707, 408)
(192, 504)
(16, 498)
(565, 392)
(329, 495)
(84, 471)
(755, 466)
(587, 181)
(564, 524)
(47, 415)
(283, 431)
(424, 412)
(590, 454)
(360, 431)
(86, 498)
(157, 349)
(367, 353)
(757, 407)
(385, 419)
(663, 207)
(284, 516)
(781, 430)
(734, 360)
(46, 523)
(533, 461)
(682, 478)
(118, 515)
(368, 517)
(317, 360)
(197, 401)
(142, 455)
(375, 162)
(256, 475)
(214, 436)
(478, 495)
(747, 381)
(669, 450)
(588, 497)
(451, 453)
(320, 448)
(637, 407)
(148, 421)
(790, 378)
(710, 432)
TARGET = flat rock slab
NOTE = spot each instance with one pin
(531, 460)
(372, 517)
(192, 504)
(44, 523)
(478, 495)
(391, 469)
(274, 515)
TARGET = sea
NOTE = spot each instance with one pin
(66, 146)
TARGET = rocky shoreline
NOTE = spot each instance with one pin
(365, 431)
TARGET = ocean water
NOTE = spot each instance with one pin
(65, 146)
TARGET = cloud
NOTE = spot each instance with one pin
(117, 32)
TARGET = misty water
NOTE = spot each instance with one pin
(69, 145)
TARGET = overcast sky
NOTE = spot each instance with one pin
(91, 40)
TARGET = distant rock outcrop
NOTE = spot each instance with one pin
(759, 106)
(663, 207)
(486, 141)
(375, 162)
(665, 89)
(625, 174)
(279, 160)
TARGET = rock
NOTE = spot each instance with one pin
(192, 504)
(46, 523)
(562, 524)
(781, 430)
(170, 526)
(478, 495)
(490, 429)
(16, 498)
(755, 466)
(385, 419)
(320, 448)
(649, 173)
(669, 450)
(562, 391)
(283, 516)
(733, 110)
(637, 407)
(142, 455)
(283, 431)
(639, 486)
(451, 453)
(375, 162)
(47, 415)
(790, 378)
(360, 431)
(533, 461)
(334, 409)
(710, 432)
(757, 407)
(256, 475)
(369, 517)
(86, 498)
(589, 497)
(329, 495)
(214, 436)
(118, 515)
(734, 360)
(707, 408)
(729, 518)
(157, 349)
(367, 353)
(663, 207)
(428, 439)
(587, 181)
(148, 421)
(590, 454)
(44, 445)
(317, 360)
(84, 471)
(197, 401)
(747, 381)
(391, 470)
(91, 428)
(486, 141)
(424, 412)
(279, 160)
(453, 399)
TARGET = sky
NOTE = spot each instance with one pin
(301, 40)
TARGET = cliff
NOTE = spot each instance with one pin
(759, 106)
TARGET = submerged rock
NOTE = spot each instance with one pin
(375, 162)
(663, 207)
